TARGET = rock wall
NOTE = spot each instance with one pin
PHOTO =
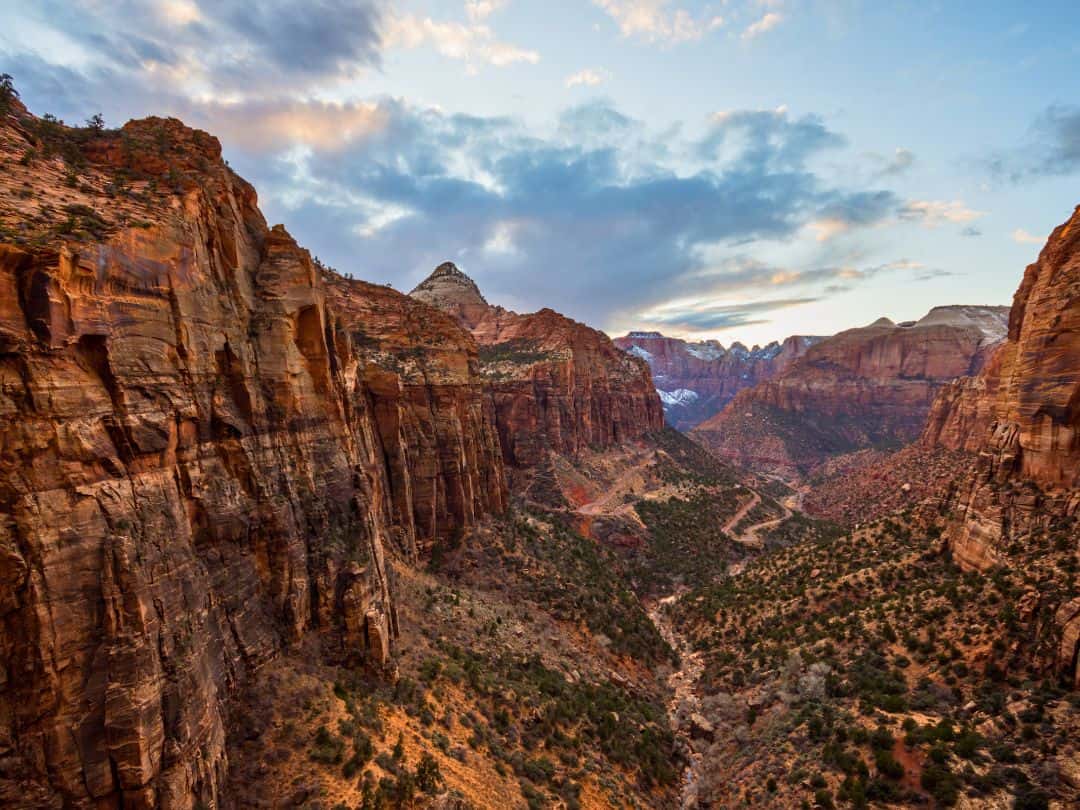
(1026, 427)
(697, 379)
(1020, 418)
(435, 421)
(555, 384)
(201, 457)
(867, 387)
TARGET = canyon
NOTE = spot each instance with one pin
(271, 536)
(696, 379)
(870, 387)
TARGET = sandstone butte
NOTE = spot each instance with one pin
(864, 387)
(1021, 415)
(209, 444)
(698, 378)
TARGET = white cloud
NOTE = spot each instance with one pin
(654, 21)
(826, 229)
(935, 212)
(1025, 238)
(586, 78)
(276, 124)
(501, 238)
(473, 44)
(479, 10)
(766, 23)
(179, 12)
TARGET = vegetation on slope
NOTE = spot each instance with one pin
(868, 668)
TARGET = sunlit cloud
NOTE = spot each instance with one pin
(768, 22)
(586, 78)
(936, 212)
(474, 44)
(1025, 238)
(654, 20)
(480, 10)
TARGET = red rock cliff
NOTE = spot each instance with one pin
(556, 384)
(871, 386)
(697, 379)
(1026, 427)
(435, 422)
(200, 458)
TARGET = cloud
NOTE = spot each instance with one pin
(599, 214)
(767, 136)
(480, 10)
(1052, 148)
(274, 124)
(744, 277)
(654, 21)
(718, 317)
(768, 22)
(1025, 238)
(584, 217)
(586, 78)
(222, 48)
(474, 44)
(901, 160)
(935, 212)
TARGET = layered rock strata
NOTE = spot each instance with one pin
(867, 387)
(205, 441)
(696, 379)
(556, 385)
(1022, 414)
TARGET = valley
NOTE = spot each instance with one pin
(272, 536)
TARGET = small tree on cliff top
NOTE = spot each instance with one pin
(8, 93)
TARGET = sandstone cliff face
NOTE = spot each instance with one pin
(1026, 427)
(866, 387)
(555, 384)
(697, 379)
(199, 461)
(435, 423)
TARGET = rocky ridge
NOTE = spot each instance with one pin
(866, 387)
(1022, 414)
(556, 384)
(696, 379)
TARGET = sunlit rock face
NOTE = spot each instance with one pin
(556, 385)
(868, 387)
(1022, 413)
(206, 441)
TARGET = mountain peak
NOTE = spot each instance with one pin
(450, 290)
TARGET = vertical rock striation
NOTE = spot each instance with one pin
(435, 423)
(1022, 414)
(555, 384)
(205, 440)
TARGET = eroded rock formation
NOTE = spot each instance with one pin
(697, 379)
(1022, 414)
(866, 387)
(436, 424)
(556, 384)
(205, 440)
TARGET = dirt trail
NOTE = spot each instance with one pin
(752, 536)
(755, 499)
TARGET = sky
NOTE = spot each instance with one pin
(739, 169)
